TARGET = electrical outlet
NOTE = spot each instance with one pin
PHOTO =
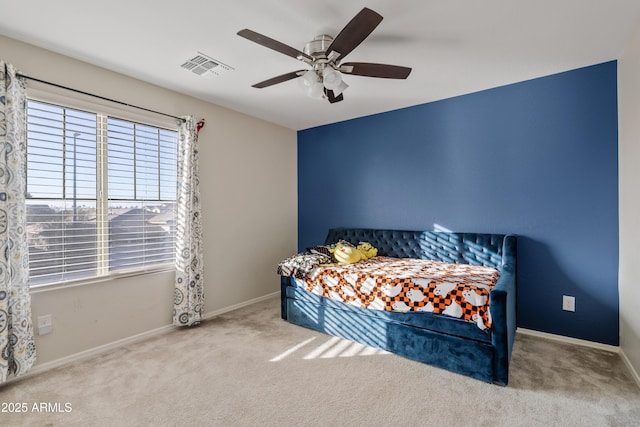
(45, 325)
(568, 303)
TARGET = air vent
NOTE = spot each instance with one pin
(202, 64)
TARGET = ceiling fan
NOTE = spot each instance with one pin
(324, 55)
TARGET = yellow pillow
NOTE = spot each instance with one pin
(347, 254)
(367, 250)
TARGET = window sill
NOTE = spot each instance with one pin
(100, 279)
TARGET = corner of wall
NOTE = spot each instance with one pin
(629, 201)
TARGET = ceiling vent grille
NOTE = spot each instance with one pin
(202, 64)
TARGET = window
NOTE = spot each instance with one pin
(100, 194)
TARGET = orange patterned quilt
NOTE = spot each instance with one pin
(407, 284)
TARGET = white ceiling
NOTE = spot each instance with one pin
(453, 46)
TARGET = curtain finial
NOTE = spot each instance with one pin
(200, 125)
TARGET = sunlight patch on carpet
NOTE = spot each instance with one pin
(291, 350)
(333, 347)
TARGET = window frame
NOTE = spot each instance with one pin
(103, 111)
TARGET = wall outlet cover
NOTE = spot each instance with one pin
(45, 325)
(568, 303)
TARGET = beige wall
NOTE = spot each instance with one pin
(249, 195)
(629, 181)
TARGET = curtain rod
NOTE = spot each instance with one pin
(98, 96)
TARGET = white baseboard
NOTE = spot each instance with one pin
(240, 305)
(633, 371)
(569, 340)
(77, 357)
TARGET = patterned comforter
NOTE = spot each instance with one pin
(407, 284)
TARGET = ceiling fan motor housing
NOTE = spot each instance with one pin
(317, 48)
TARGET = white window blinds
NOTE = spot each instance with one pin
(100, 194)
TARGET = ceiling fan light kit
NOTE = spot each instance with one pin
(311, 83)
(331, 78)
(324, 55)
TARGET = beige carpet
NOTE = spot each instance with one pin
(249, 368)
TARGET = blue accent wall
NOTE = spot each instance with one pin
(538, 159)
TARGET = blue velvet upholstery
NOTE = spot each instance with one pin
(442, 341)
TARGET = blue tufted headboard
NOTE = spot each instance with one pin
(466, 248)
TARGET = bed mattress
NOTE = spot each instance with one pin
(408, 285)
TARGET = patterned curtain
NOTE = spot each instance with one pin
(188, 294)
(16, 330)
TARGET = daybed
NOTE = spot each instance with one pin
(436, 339)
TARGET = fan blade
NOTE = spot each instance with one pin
(355, 32)
(332, 97)
(279, 79)
(275, 45)
(368, 69)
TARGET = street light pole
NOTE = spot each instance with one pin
(75, 162)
